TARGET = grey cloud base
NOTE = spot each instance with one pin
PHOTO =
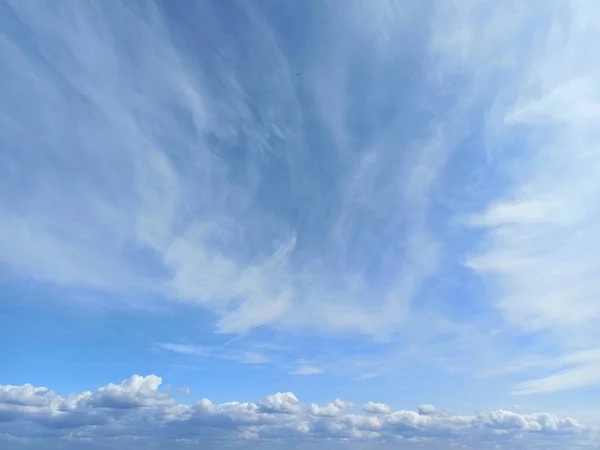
(136, 414)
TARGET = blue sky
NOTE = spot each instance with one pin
(323, 216)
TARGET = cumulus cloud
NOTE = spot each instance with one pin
(135, 410)
(376, 408)
(132, 393)
(332, 409)
(427, 410)
(282, 402)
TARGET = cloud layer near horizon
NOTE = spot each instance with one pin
(134, 414)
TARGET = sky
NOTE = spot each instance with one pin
(299, 224)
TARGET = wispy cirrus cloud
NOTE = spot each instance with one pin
(241, 356)
(307, 370)
(189, 179)
(538, 248)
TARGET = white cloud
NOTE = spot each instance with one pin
(574, 377)
(282, 402)
(376, 408)
(180, 179)
(185, 349)
(427, 410)
(135, 408)
(535, 233)
(332, 409)
(307, 370)
(254, 358)
(132, 393)
(222, 352)
(185, 390)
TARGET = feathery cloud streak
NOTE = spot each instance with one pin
(149, 168)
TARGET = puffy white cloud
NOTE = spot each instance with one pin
(135, 408)
(282, 402)
(26, 395)
(135, 392)
(376, 408)
(427, 410)
(332, 409)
